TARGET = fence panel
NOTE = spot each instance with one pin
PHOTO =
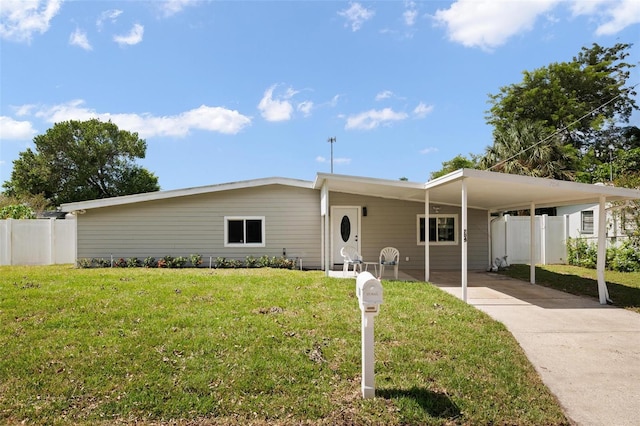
(511, 236)
(37, 241)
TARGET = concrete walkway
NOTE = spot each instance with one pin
(587, 354)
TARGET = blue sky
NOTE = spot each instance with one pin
(232, 90)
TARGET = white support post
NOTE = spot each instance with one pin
(490, 240)
(427, 266)
(603, 292)
(464, 240)
(532, 244)
(324, 210)
(368, 356)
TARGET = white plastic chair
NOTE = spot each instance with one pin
(351, 257)
(389, 256)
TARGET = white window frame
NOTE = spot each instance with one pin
(244, 219)
(582, 222)
(426, 230)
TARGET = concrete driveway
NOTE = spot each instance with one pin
(587, 354)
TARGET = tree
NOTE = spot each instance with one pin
(581, 99)
(36, 203)
(16, 211)
(82, 160)
(527, 148)
(456, 163)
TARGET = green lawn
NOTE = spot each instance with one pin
(624, 287)
(262, 346)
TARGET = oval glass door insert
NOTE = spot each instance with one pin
(345, 228)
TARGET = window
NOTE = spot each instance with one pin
(244, 231)
(443, 229)
(586, 222)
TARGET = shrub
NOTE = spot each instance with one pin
(264, 262)
(17, 211)
(149, 262)
(223, 262)
(133, 262)
(282, 263)
(623, 258)
(179, 262)
(195, 259)
(103, 263)
(120, 263)
(85, 262)
(251, 262)
(581, 253)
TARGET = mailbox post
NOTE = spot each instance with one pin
(369, 291)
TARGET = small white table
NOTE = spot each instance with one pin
(375, 267)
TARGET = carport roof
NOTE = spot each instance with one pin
(485, 190)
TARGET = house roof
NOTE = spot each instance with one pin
(485, 190)
(162, 195)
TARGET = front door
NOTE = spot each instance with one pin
(345, 230)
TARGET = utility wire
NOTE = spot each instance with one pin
(564, 128)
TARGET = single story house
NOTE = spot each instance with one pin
(312, 220)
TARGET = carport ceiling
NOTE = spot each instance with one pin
(485, 190)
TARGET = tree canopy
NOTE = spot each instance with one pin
(582, 99)
(81, 160)
(457, 162)
(527, 148)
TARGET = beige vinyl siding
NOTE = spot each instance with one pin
(195, 224)
(394, 223)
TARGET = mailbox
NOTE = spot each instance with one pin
(369, 291)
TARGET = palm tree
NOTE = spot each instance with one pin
(526, 148)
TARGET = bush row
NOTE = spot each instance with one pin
(193, 261)
(622, 258)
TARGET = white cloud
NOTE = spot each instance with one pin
(385, 94)
(410, 14)
(305, 107)
(213, 119)
(107, 15)
(171, 7)
(488, 23)
(422, 110)
(79, 38)
(339, 160)
(278, 108)
(134, 36)
(20, 19)
(356, 15)
(428, 150)
(617, 15)
(373, 118)
(11, 129)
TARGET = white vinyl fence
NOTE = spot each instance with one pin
(37, 241)
(511, 237)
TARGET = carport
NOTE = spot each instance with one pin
(484, 190)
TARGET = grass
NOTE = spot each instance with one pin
(624, 287)
(154, 346)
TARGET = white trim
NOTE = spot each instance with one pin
(358, 231)
(244, 219)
